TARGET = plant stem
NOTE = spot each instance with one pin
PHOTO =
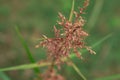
(28, 52)
(52, 64)
(3, 76)
(70, 19)
(95, 14)
(78, 71)
(111, 77)
(72, 10)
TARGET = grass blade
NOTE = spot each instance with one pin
(26, 48)
(72, 10)
(25, 66)
(102, 40)
(3, 76)
(96, 44)
(78, 71)
(95, 14)
(112, 77)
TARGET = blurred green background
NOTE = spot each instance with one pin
(35, 17)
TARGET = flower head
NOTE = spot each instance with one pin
(69, 38)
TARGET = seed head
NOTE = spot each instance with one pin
(69, 38)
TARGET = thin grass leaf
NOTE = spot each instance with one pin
(112, 77)
(3, 76)
(29, 66)
(72, 10)
(95, 14)
(78, 71)
(26, 48)
(25, 66)
(94, 45)
(102, 40)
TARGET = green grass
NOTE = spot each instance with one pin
(41, 15)
(34, 65)
(28, 52)
(111, 77)
(3, 76)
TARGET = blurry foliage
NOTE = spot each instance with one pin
(35, 17)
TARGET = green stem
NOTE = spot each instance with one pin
(72, 10)
(70, 19)
(111, 77)
(52, 64)
(26, 66)
(28, 52)
(78, 71)
(3, 76)
(95, 14)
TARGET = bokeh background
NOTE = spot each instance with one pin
(35, 17)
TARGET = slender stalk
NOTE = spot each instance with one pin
(111, 77)
(3, 76)
(72, 10)
(26, 66)
(28, 52)
(73, 65)
(95, 14)
(52, 64)
(78, 71)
